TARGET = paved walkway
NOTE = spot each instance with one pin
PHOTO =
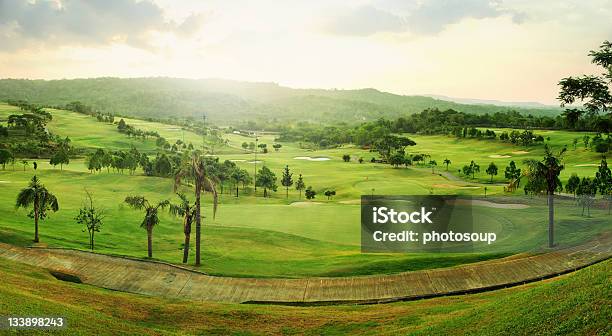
(159, 279)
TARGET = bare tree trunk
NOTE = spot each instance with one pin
(150, 242)
(198, 189)
(36, 220)
(187, 238)
(551, 219)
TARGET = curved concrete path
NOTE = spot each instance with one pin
(160, 279)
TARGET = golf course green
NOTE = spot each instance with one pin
(286, 236)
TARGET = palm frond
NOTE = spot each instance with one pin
(136, 202)
(25, 198)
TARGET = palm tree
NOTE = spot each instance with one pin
(447, 162)
(187, 211)
(200, 170)
(544, 176)
(150, 220)
(37, 196)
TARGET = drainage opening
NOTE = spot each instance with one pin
(66, 277)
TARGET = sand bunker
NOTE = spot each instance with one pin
(469, 187)
(520, 152)
(587, 165)
(255, 161)
(313, 158)
(235, 160)
(447, 186)
(5, 181)
(492, 205)
(497, 156)
(354, 201)
(304, 204)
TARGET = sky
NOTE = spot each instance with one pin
(483, 49)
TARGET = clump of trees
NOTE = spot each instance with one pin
(310, 193)
(471, 169)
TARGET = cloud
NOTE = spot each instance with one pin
(426, 18)
(191, 25)
(365, 20)
(48, 23)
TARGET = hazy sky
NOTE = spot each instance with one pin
(506, 50)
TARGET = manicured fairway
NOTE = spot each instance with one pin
(279, 236)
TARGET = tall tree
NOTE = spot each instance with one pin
(592, 91)
(433, 164)
(188, 212)
(287, 180)
(603, 179)
(572, 184)
(151, 218)
(6, 156)
(512, 172)
(91, 217)
(491, 170)
(586, 194)
(299, 185)
(41, 200)
(60, 157)
(202, 171)
(266, 179)
(544, 176)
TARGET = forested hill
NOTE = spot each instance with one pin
(228, 101)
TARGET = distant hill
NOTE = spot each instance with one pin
(225, 101)
(491, 102)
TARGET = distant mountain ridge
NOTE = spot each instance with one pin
(489, 102)
(227, 101)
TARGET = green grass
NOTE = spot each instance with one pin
(576, 304)
(253, 236)
(86, 132)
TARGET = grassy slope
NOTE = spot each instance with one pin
(576, 304)
(316, 238)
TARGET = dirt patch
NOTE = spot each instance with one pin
(305, 204)
(498, 156)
